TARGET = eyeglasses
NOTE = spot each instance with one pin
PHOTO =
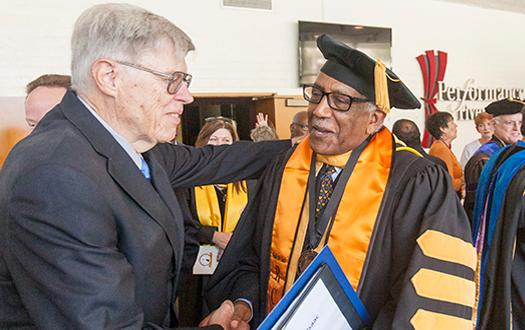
(509, 123)
(174, 79)
(336, 101)
(220, 118)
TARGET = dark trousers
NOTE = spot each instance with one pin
(192, 308)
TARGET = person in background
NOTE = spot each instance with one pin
(43, 94)
(390, 217)
(442, 127)
(485, 128)
(299, 125)
(408, 132)
(91, 232)
(264, 129)
(498, 233)
(507, 119)
(218, 207)
(523, 126)
(215, 210)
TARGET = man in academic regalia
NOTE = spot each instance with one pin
(391, 218)
(507, 118)
(499, 233)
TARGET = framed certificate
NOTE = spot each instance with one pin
(322, 298)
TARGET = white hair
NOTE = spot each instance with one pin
(118, 31)
(371, 107)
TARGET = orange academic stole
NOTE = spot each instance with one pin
(354, 221)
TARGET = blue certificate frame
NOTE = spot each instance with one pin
(326, 268)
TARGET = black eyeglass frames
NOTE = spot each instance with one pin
(336, 101)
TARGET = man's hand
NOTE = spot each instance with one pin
(241, 316)
(221, 316)
(221, 239)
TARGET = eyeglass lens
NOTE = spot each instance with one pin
(336, 101)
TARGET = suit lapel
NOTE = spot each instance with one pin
(124, 171)
(129, 178)
(174, 225)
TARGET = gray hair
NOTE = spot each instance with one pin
(371, 107)
(119, 31)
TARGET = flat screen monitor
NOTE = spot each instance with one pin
(376, 42)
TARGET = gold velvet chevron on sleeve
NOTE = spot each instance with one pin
(432, 243)
(430, 320)
(441, 286)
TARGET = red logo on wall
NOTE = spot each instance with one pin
(433, 69)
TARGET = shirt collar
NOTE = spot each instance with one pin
(334, 175)
(498, 140)
(135, 156)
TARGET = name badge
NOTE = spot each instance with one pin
(207, 260)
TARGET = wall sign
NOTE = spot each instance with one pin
(463, 102)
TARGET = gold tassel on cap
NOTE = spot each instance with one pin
(381, 87)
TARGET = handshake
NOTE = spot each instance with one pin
(230, 316)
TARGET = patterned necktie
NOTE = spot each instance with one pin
(326, 187)
(144, 169)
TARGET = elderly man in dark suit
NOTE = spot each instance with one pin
(91, 233)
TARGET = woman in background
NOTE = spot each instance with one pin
(218, 207)
(215, 211)
(442, 127)
(485, 128)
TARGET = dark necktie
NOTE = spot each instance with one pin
(326, 187)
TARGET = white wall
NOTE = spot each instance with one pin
(255, 50)
(237, 49)
(482, 44)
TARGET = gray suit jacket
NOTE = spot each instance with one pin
(85, 241)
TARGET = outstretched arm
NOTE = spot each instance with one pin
(188, 166)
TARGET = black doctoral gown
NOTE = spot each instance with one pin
(503, 303)
(472, 173)
(419, 199)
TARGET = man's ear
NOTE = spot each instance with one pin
(104, 74)
(375, 121)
